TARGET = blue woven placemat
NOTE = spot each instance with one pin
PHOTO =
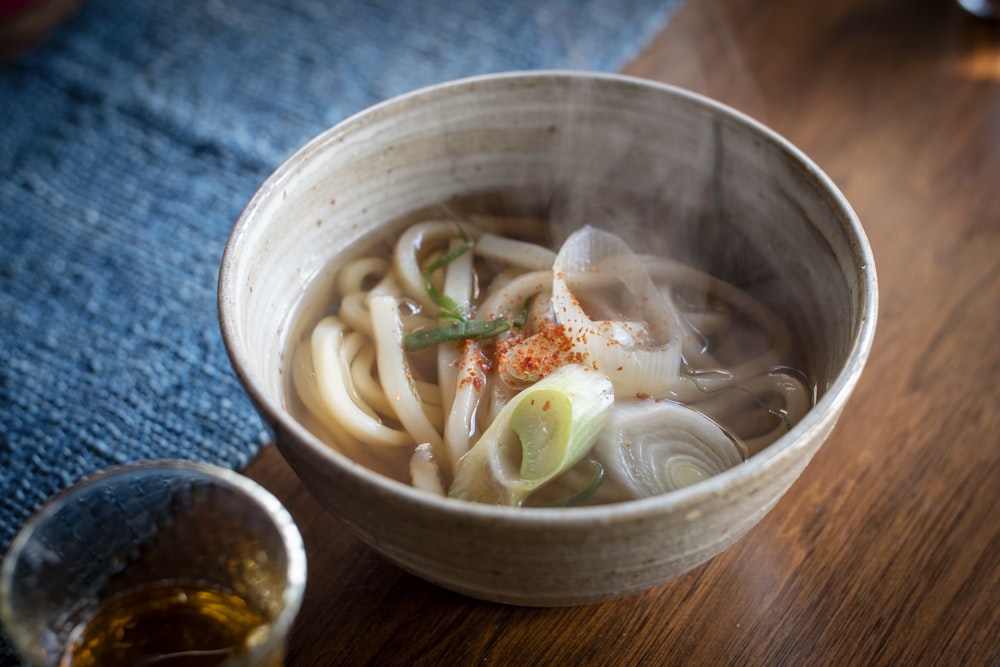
(129, 143)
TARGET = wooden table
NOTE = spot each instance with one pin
(887, 549)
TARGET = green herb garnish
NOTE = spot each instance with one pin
(522, 317)
(450, 310)
(455, 331)
(459, 326)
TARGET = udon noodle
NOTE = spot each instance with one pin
(486, 367)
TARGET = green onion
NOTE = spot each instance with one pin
(654, 447)
(464, 330)
(460, 326)
(450, 309)
(522, 317)
(538, 435)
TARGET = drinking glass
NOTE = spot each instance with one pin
(158, 562)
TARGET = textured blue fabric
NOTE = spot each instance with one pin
(128, 145)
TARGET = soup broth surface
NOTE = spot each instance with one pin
(409, 355)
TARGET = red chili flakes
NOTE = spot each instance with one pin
(548, 404)
(477, 376)
(538, 355)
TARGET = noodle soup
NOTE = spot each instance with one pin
(491, 358)
(670, 174)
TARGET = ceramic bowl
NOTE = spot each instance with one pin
(675, 169)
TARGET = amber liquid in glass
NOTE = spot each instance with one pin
(167, 625)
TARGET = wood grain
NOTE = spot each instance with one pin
(887, 550)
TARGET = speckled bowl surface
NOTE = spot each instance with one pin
(674, 169)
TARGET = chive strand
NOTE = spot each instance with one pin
(459, 326)
(522, 317)
(455, 331)
(447, 305)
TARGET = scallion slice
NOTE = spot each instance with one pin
(455, 331)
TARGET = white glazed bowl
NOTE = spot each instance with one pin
(602, 149)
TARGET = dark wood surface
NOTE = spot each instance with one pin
(887, 549)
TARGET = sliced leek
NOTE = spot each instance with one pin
(540, 434)
(655, 447)
(627, 329)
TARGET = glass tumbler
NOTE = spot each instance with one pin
(160, 563)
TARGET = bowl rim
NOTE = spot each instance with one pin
(827, 407)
